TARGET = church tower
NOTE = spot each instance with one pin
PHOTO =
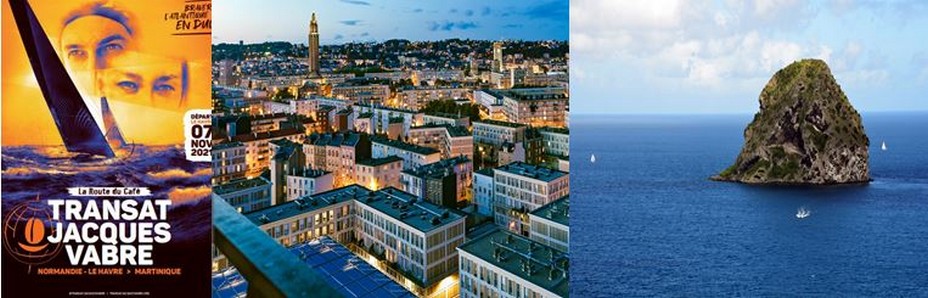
(313, 48)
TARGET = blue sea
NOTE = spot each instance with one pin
(646, 221)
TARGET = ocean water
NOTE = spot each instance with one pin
(646, 221)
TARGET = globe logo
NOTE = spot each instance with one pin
(24, 229)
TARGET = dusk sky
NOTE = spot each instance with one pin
(361, 20)
(670, 56)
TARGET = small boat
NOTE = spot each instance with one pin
(592, 158)
(883, 147)
(802, 213)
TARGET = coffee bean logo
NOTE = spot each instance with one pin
(33, 234)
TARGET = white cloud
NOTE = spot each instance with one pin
(703, 42)
(723, 49)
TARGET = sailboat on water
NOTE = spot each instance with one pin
(803, 213)
(592, 158)
(75, 122)
(883, 146)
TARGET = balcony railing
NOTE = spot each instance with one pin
(271, 270)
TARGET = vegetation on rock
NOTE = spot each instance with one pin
(806, 132)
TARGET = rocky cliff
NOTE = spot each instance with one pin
(806, 132)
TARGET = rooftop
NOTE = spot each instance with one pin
(523, 94)
(437, 168)
(325, 108)
(334, 139)
(305, 204)
(285, 149)
(458, 131)
(532, 261)
(226, 145)
(454, 131)
(240, 184)
(260, 117)
(560, 130)
(310, 173)
(485, 172)
(373, 162)
(405, 207)
(379, 107)
(500, 123)
(250, 137)
(446, 115)
(556, 211)
(339, 267)
(403, 145)
(532, 171)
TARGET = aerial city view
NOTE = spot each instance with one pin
(392, 164)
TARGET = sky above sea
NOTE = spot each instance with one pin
(709, 57)
(362, 20)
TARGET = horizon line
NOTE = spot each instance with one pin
(716, 113)
(411, 40)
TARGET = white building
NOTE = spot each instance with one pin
(389, 226)
(257, 151)
(550, 224)
(413, 156)
(379, 173)
(308, 182)
(337, 153)
(416, 98)
(451, 141)
(228, 162)
(504, 264)
(445, 118)
(245, 195)
(483, 191)
(556, 141)
(448, 182)
(382, 116)
(536, 107)
(520, 188)
(367, 94)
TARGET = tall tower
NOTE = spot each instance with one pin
(498, 56)
(313, 48)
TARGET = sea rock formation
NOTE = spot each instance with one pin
(806, 132)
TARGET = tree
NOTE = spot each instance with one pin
(283, 94)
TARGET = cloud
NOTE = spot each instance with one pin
(338, 37)
(703, 43)
(357, 2)
(417, 10)
(351, 22)
(449, 26)
(680, 55)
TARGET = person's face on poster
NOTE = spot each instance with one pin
(145, 79)
(90, 38)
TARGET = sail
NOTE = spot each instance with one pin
(75, 123)
(113, 134)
